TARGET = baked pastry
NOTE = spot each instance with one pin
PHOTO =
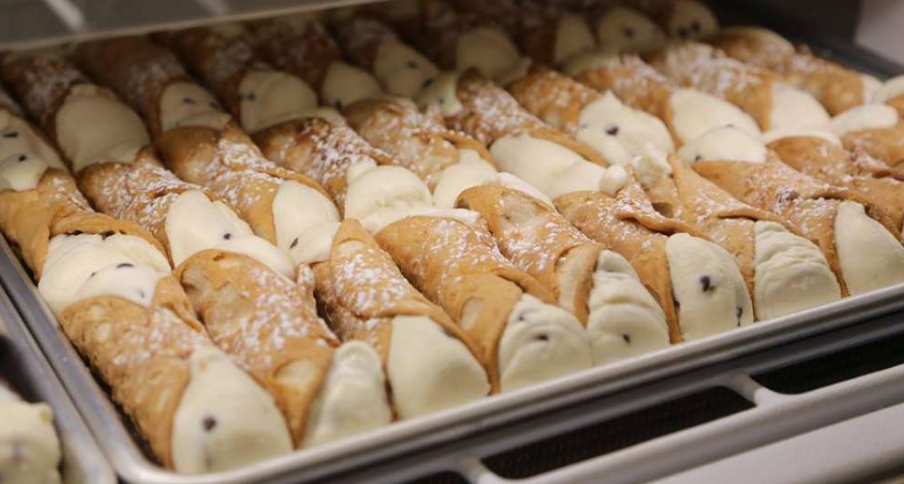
(874, 129)
(836, 87)
(300, 45)
(280, 112)
(622, 28)
(521, 144)
(860, 240)
(697, 283)
(682, 19)
(598, 286)
(430, 362)
(775, 105)
(519, 334)
(687, 113)
(552, 35)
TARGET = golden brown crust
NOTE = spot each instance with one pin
(143, 354)
(885, 144)
(265, 322)
(554, 98)
(459, 267)
(305, 49)
(538, 241)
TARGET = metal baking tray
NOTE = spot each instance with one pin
(26, 369)
(438, 442)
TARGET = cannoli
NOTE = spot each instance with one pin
(459, 40)
(697, 283)
(203, 145)
(519, 142)
(551, 35)
(100, 281)
(281, 116)
(860, 241)
(404, 15)
(29, 445)
(598, 286)
(300, 45)
(687, 113)
(837, 88)
(874, 129)
(785, 273)
(683, 19)
(249, 305)
(617, 132)
(775, 106)
(823, 158)
(620, 28)
(430, 363)
(520, 335)
(374, 47)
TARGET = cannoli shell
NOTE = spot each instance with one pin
(554, 98)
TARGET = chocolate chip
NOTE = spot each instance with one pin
(125, 265)
(294, 243)
(627, 338)
(227, 236)
(188, 100)
(683, 33)
(11, 134)
(442, 100)
(140, 294)
(92, 274)
(706, 282)
(428, 83)
(250, 96)
(628, 32)
(695, 26)
(338, 104)
(209, 423)
(542, 337)
(22, 158)
(108, 233)
(612, 130)
(412, 64)
(740, 313)
(698, 158)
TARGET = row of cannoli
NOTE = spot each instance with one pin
(30, 451)
(720, 212)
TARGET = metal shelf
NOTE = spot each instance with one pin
(39, 23)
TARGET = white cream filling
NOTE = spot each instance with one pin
(871, 86)
(29, 447)
(573, 36)
(724, 143)
(272, 97)
(625, 321)
(823, 133)
(708, 287)
(547, 166)
(224, 419)
(691, 20)
(492, 53)
(195, 223)
(695, 112)
(123, 265)
(870, 257)
(380, 195)
(618, 132)
(94, 127)
(623, 29)
(614, 180)
(189, 104)
(24, 156)
(473, 171)
(540, 342)
(790, 273)
(299, 213)
(795, 109)
(889, 90)
(442, 91)
(430, 370)
(352, 399)
(650, 165)
(402, 70)
(345, 84)
(868, 116)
